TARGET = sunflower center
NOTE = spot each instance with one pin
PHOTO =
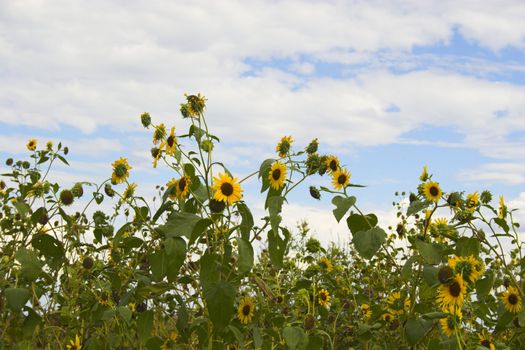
(341, 179)
(513, 299)
(182, 184)
(227, 189)
(485, 343)
(246, 310)
(279, 299)
(434, 191)
(333, 165)
(387, 317)
(170, 141)
(276, 174)
(455, 289)
(120, 170)
(322, 296)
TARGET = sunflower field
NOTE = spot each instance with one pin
(193, 269)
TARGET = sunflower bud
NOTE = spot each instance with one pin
(454, 199)
(207, 146)
(77, 190)
(400, 229)
(217, 206)
(87, 263)
(9, 161)
(445, 274)
(312, 147)
(486, 197)
(66, 197)
(412, 198)
(313, 245)
(26, 165)
(314, 192)
(185, 110)
(309, 322)
(66, 150)
(145, 119)
(108, 190)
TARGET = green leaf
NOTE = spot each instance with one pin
(504, 320)
(295, 337)
(502, 223)
(198, 229)
(416, 206)
(31, 321)
(277, 247)
(176, 253)
(48, 245)
(209, 271)
(406, 271)
(264, 170)
(430, 252)
(342, 205)
(31, 265)
(16, 297)
(145, 325)
(125, 313)
(367, 243)
(466, 246)
(245, 263)
(357, 222)
(415, 330)
(246, 220)
(484, 285)
(180, 224)
(430, 275)
(159, 265)
(220, 297)
(435, 315)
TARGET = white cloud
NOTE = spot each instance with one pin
(508, 173)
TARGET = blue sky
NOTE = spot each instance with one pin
(388, 86)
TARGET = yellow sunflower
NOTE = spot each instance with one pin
(49, 145)
(172, 186)
(468, 267)
(183, 187)
(170, 144)
(396, 305)
(512, 300)
(104, 298)
(472, 201)
(486, 340)
(332, 164)
(129, 191)
(326, 264)
(120, 170)
(451, 296)
(340, 178)
(366, 311)
(245, 310)
(277, 175)
(226, 188)
(74, 344)
(424, 174)
(387, 316)
(448, 325)
(283, 147)
(324, 298)
(159, 134)
(432, 191)
(502, 211)
(31, 144)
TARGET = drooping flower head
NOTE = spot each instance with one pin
(284, 145)
(120, 170)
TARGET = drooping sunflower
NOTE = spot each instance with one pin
(159, 134)
(74, 344)
(511, 299)
(366, 311)
(31, 144)
(332, 164)
(448, 325)
(472, 201)
(468, 267)
(432, 191)
(245, 310)
(485, 340)
(326, 264)
(340, 178)
(129, 191)
(284, 145)
(324, 298)
(451, 295)
(172, 186)
(502, 210)
(277, 175)
(170, 144)
(183, 187)
(397, 305)
(440, 229)
(424, 174)
(49, 145)
(120, 170)
(226, 188)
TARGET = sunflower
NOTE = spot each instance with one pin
(283, 147)
(326, 264)
(129, 191)
(440, 229)
(387, 316)
(104, 298)
(120, 170)
(170, 144)
(183, 186)
(468, 267)
(332, 163)
(49, 145)
(172, 186)
(511, 299)
(424, 174)
(451, 295)
(366, 311)
(432, 191)
(227, 189)
(74, 344)
(31, 144)
(277, 175)
(472, 201)
(396, 305)
(159, 134)
(340, 178)
(448, 325)
(486, 340)
(502, 211)
(324, 298)
(245, 310)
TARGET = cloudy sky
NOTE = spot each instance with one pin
(389, 86)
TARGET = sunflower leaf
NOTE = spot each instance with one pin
(415, 330)
(220, 297)
(416, 206)
(342, 205)
(367, 243)
(245, 263)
